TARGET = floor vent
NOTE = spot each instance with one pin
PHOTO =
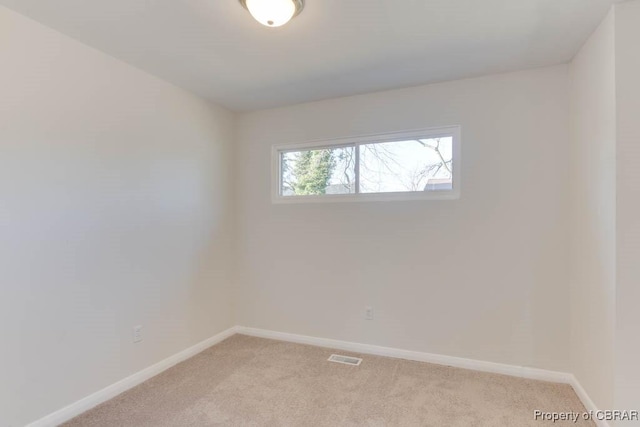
(347, 360)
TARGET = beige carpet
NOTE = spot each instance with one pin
(246, 381)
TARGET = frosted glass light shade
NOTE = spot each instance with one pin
(272, 13)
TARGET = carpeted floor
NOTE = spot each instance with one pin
(246, 381)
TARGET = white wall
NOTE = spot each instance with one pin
(483, 277)
(114, 211)
(593, 161)
(606, 213)
(627, 34)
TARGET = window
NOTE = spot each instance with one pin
(401, 166)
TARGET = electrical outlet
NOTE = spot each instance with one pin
(368, 313)
(137, 333)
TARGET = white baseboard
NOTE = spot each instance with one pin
(458, 362)
(113, 390)
(82, 405)
(586, 400)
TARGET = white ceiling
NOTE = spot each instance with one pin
(334, 48)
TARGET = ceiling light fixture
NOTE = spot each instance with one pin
(273, 13)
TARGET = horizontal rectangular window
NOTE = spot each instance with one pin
(409, 165)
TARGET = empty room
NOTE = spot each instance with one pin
(319, 213)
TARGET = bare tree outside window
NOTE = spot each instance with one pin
(413, 165)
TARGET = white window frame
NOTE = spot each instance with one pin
(429, 133)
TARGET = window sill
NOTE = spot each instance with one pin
(369, 197)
